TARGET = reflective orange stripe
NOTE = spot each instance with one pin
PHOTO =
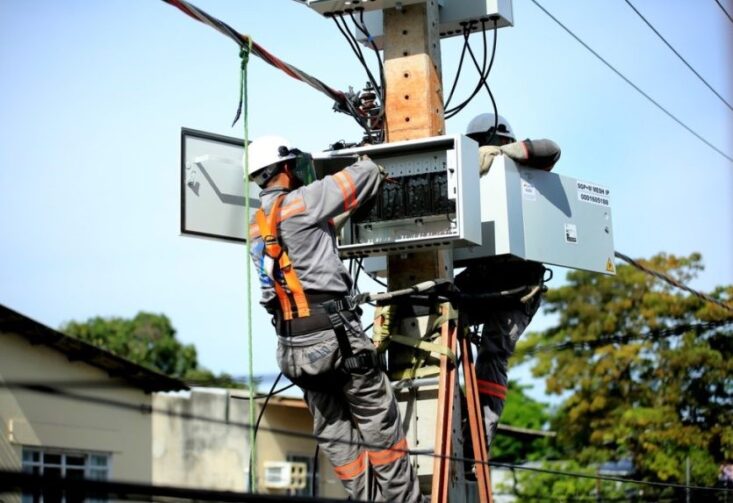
(291, 209)
(390, 455)
(348, 189)
(353, 468)
(491, 388)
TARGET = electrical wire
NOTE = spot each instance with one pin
(724, 11)
(466, 34)
(354, 44)
(340, 97)
(77, 489)
(483, 71)
(636, 88)
(628, 2)
(361, 26)
(259, 416)
(148, 409)
(698, 328)
(669, 279)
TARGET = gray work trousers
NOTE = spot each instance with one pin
(350, 409)
(499, 336)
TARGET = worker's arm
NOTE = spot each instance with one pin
(343, 192)
(540, 154)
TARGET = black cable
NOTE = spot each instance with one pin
(76, 489)
(259, 416)
(354, 44)
(373, 276)
(361, 26)
(466, 34)
(628, 2)
(636, 88)
(148, 409)
(725, 11)
(624, 338)
(483, 75)
(481, 71)
(314, 474)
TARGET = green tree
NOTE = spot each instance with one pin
(149, 340)
(522, 411)
(647, 371)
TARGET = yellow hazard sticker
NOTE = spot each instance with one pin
(609, 266)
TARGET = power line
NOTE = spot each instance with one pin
(725, 11)
(246, 42)
(148, 409)
(637, 88)
(84, 488)
(677, 54)
(621, 339)
(669, 279)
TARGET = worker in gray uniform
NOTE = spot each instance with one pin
(505, 293)
(321, 345)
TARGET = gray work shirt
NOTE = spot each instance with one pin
(306, 229)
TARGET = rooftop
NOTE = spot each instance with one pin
(12, 322)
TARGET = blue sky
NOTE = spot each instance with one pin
(93, 96)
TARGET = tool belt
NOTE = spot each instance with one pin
(330, 313)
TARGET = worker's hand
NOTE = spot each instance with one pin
(516, 151)
(486, 156)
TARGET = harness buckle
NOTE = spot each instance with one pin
(272, 243)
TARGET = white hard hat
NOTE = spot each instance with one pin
(483, 123)
(266, 151)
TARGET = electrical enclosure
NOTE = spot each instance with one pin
(543, 217)
(327, 7)
(429, 200)
(453, 15)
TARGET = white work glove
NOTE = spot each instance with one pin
(340, 220)
(486, 156)
(515, 151)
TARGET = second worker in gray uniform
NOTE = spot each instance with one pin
(504, 316)
(293, 246)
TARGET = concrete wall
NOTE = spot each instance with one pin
(286, 415)
(208, 453)
(214, 453)
(40, 420)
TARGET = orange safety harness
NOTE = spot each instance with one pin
(287, 285)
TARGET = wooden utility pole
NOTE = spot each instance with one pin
(414, 109)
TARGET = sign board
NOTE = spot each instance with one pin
(212, 186)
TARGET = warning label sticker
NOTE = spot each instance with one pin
(609, 266)
(593, 194)
(529, 191)
(571, 233)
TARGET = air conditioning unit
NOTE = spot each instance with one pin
(285, 475)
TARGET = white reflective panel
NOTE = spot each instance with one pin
(212, 186)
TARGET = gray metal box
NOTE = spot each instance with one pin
(339, 6)
(437, 184)
(543, 217)
(451, 14)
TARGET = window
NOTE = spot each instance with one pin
(308, 489)
(68, 464)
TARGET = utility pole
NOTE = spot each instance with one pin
(414, 109)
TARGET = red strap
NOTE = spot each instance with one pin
(491, 388)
